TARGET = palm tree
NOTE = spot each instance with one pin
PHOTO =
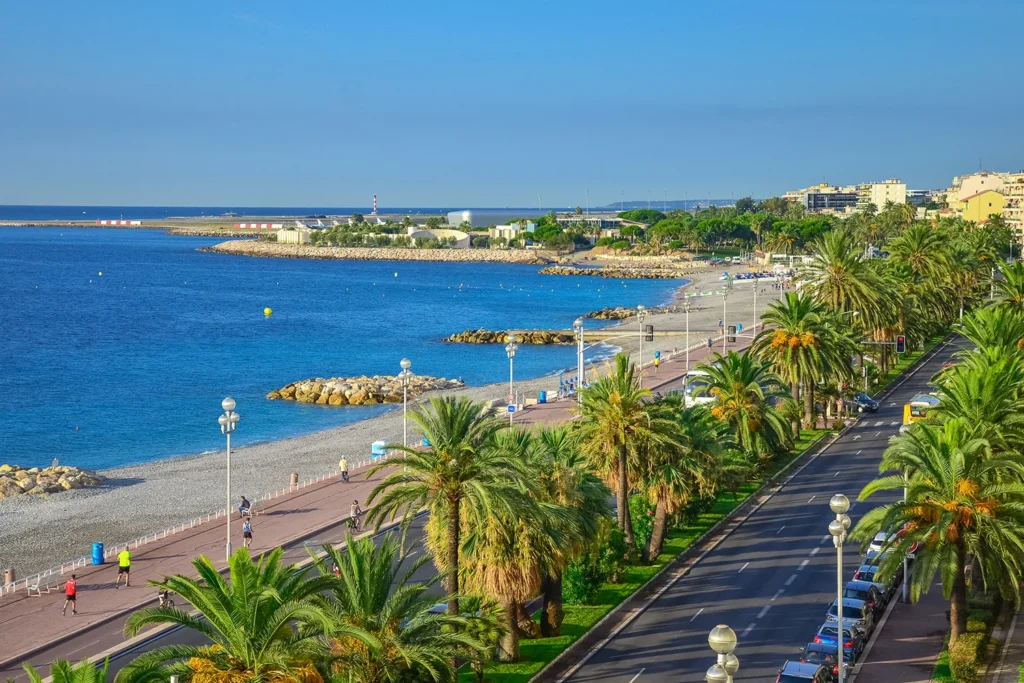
(460, 477)
(63, 671)
(249, 617)
(1011, 287)
(566, 480)
(985, 390)
(372, 593)
(998, 331)
(961, 501)
(616, 416)
(840, 278)
(743, 387)
(783, 240)
(675, 474)
(922, 249)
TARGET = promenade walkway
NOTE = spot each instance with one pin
(31, 622)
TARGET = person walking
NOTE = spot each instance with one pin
(657, 362)
(124, 566)
(70, 595)
(247, 533)
(343, 466)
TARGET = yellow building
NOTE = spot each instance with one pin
(980, 205)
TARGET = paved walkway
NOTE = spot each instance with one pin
(1005, 668)
(910, 641)
(31, 622)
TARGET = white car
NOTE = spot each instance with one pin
(881, 538)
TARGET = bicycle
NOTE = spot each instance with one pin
(164, 599)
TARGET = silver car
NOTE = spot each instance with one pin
(856, 613)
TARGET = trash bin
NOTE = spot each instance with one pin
(97, 553)
(426, 442)
(732, 334)
(542, 397)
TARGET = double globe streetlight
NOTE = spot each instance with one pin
(641, 315)
(722, 640)
(405, 376)
(838, 527)
(228, 421)
(577, 331)
(511, 349)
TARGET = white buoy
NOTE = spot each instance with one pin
(101, 273)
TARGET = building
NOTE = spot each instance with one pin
(827, 198)
(598, 221)
(293, 236)
(462, 240)
(878, 194)
(482, 218)
(966, 186)
(510, 232)
(1013, 210)
(979, 206)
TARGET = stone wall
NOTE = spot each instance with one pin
(273, 250)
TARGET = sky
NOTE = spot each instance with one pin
(497, 104)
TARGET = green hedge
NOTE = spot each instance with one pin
(965, 656)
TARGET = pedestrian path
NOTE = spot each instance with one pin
(909, 642)
(30, 622)
(1005, 668)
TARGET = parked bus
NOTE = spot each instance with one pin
(695, 384)
(918, 408)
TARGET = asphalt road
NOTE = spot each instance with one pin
(106, 636)
(772, 579)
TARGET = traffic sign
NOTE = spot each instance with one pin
(511, 408)
(511, 398)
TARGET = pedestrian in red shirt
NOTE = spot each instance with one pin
(70, 595)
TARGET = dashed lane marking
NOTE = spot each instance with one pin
(638, 675)
(880, 423)
(743, 567)
(802, 565)
(748, 629)
(780, 529)
(697, 614)
(815, 552)
(812, 498)
(764, 611)
(791, 579)
(778, 593)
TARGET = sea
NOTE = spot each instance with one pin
(117, 346)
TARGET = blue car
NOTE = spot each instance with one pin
(853, 640)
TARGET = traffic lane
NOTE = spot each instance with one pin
(110, 634)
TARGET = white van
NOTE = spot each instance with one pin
(693, 393)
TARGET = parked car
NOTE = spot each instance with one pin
(828, 657)
(869, 572)
(864, 403)
(869, 593)
(856, 613)
(882, 537)
(853, 639)
(801, 672)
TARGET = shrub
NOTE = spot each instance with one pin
(838, 425)
(643, 519)
(675, 244)
(581, 581)
(605, 242)
(480, 242)
(964, 655)
(620, 245)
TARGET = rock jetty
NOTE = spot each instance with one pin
(482, 336)
(15, 480)
(620, 313)
(359, 391)
(616, 273)
(275, 250)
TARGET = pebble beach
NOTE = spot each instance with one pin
(40, 532)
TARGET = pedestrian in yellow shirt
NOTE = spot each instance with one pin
(124, 565)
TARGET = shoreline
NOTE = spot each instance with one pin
(136, 499)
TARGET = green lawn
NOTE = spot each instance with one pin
(579, 619)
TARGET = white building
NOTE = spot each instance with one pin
(510, 232)
(1013, 210)
(891, 190)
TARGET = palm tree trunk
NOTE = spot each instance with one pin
(657, 531)
(527, 626)
(552, 614)
(958, 598)
(622, 500)
(453, 554)
(809, 421)
(508, 646)
(795, 388)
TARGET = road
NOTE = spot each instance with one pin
(772, 579)
(105, 636)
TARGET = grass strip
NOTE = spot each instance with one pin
(537, 653)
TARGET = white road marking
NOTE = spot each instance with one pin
(826, 539)
(641, 671)
(856, 436)
(83, 647)
(812, 498)
(791, 579)
(743, 567)
(748, 629)
(802, 565)
(815, 552)
(859, 452)
(880, 423)
(697, 614)
(780, 531)
(834, 476)
(764, 611)
(877, 433)
(893, 404)
(894, 423)
(778, 593)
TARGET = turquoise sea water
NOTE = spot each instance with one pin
(131, 366)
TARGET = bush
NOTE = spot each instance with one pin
(620, 245)
(581, 581)
(964, 656)
(675, 244)
(612, 553)
(480, 242)
(838, 425)
(605, 242)
(642, 511)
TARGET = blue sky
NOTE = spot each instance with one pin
(491, 104)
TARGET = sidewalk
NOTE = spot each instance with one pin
(1005, 668)
(909, 642)
(30, 622)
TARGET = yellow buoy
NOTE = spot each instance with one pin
(267, 311)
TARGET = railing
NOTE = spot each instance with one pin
(51, 574)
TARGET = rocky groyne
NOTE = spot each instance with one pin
(616, 273)
(359, 391)
(275, 250)
(16, 481)
(620, 313)
(482, 336)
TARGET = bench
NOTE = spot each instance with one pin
(255, 508)
(44, 583)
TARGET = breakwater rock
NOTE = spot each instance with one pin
(616, 273)
(620, 313)
(501, 337)
(275, 250)
(359, 391)
(15, 481)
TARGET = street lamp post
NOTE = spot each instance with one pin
(406, 377)
(641, 314)
(722, 640)
(577, 329)
(228, 421)
(725, 297)
(686, 309)
(511, 349)
(837, 527)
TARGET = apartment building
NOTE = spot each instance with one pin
(1013, 210)
(891, 190)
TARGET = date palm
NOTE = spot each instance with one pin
(744, 387)
(63, 671)
(840, 278)
(995, 331)
(261, 620)
(461, 477)
(987, 391)
(1011, 288)
(923, 249)
(373, 592)
(961, 502)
